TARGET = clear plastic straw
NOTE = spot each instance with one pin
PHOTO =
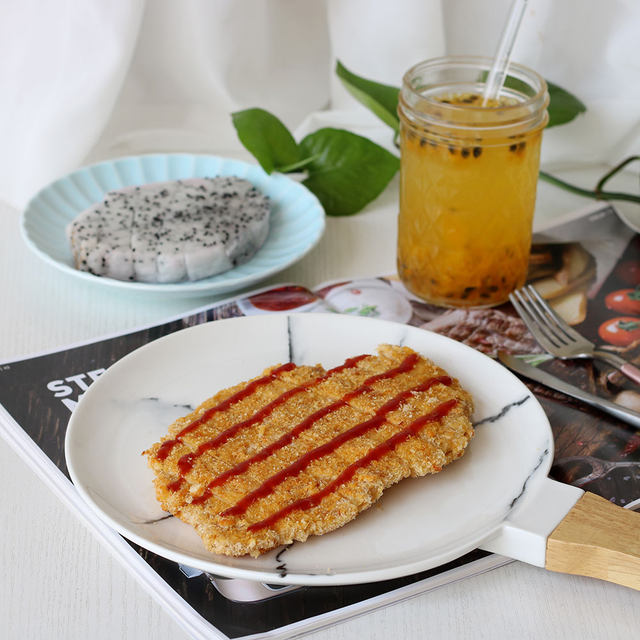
(498, 71)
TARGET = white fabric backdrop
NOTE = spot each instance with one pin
(89, 79)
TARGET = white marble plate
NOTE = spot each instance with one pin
(418, 524)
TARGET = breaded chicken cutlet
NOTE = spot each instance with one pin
(300, 451)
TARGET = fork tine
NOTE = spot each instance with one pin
(544, 318)
(559, 322)
(526, 311)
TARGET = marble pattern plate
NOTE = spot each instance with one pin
(297, 218)
(418, 524)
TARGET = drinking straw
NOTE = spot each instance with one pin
(501, 60)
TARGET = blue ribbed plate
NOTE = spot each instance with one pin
(297, 218)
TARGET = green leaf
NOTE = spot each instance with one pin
(563, 106)
(348, 172)
(382, 99)
(267, 138)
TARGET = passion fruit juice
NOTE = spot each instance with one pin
(466, 208)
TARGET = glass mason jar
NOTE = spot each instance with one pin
(468, 179)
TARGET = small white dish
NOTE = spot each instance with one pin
(370, 298)
(418, 524)
(297, 218)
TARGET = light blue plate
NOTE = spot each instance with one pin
(297, 218)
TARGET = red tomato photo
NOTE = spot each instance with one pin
(624, 301)
(629, 272)
(621, 331)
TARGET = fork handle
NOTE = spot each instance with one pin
(631, 371)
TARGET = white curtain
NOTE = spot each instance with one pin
(83, 80)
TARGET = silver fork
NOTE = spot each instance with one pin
(557, 337)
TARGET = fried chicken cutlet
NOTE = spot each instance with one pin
(301, 451)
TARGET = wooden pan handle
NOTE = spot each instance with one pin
(597, 539)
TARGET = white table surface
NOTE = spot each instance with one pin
(57, 582)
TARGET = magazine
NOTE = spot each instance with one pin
(581, 266)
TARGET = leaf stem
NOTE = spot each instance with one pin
(593, 194)
(289, 168)
(613, 172)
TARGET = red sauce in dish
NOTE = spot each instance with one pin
(283, 298)
(375, 454)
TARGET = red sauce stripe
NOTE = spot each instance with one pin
(375, 454)
(267, 451)
(176, 484)
(185, 464)
(349, 363)
(167, 445)
(306, 424)
(305, 460)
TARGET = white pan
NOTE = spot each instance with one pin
(497, 497)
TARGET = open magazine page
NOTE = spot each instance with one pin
(579, 266)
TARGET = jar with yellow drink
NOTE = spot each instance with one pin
(468, 179)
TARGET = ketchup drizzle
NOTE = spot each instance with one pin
(185, 464)
(375, 454)
(304, 461)
(167, 445)
(176, 484)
